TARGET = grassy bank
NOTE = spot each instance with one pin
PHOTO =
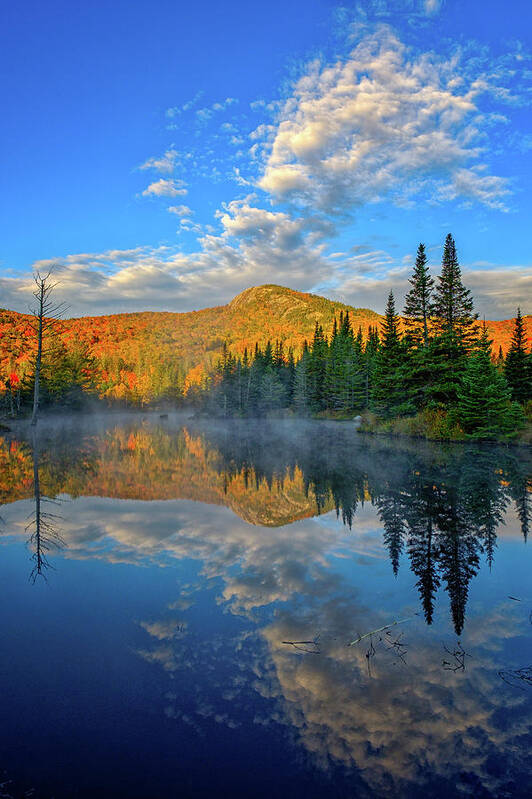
(441, 425)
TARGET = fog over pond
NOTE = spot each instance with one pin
(262, 608)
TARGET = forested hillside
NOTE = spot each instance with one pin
(144, 357)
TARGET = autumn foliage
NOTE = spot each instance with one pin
(141, 358)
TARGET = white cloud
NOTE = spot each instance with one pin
(382, 124)
(164, 163)
(204, 114)
(177, 110)
(165, 188)
(255, 246)
(180, 210)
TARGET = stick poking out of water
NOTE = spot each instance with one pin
(379, 630)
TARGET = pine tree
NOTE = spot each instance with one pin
(484, 407)
(317, 371)
(418, 300)
(453, 322)
(388, 396)
(516, 367)
(452, 307)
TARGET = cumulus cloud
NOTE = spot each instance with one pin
(165, 188)
(382, 124)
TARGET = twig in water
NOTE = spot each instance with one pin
(459, 655)
(523, 675)
(397, 645)
(309, 647)
(379, 630)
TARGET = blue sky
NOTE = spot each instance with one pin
(167, 155)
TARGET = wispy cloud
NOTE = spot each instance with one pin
(180, 210)
(177, 110)
(165, 188)
(165, 163)
(204, 114)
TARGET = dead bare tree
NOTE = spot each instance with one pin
(46, 314)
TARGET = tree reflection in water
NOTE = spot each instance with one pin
(440, 506)
(43, 526)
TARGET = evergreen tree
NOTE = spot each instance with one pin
(516, 367)
(484, 407)
(453, 322)
(452, 307)
(317, 371)
(418, 300)
(388, 395)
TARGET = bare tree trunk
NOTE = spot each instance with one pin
(47, 315)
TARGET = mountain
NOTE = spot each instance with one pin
(140, 357)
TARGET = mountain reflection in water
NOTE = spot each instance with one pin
(429, 700)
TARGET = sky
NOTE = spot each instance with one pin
(167, 155)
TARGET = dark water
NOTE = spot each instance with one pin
(178, 622)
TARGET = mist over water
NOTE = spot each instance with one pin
(262, 608)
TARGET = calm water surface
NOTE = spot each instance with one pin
(177, 621)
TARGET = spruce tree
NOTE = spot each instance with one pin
(452, 307)
(418, 300)
(453, 322)
(484, 406)
(317, 371)
(516, 367)
(388, 396)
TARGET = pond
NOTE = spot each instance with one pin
(261, 608)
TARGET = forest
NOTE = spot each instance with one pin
(432, 371)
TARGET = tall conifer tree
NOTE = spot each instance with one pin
(517, 365)
(418, 300)
(388, 396)
(452, 307)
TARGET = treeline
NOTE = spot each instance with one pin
(433, 368)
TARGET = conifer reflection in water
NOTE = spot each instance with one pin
(440, 507)
(396, 723)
